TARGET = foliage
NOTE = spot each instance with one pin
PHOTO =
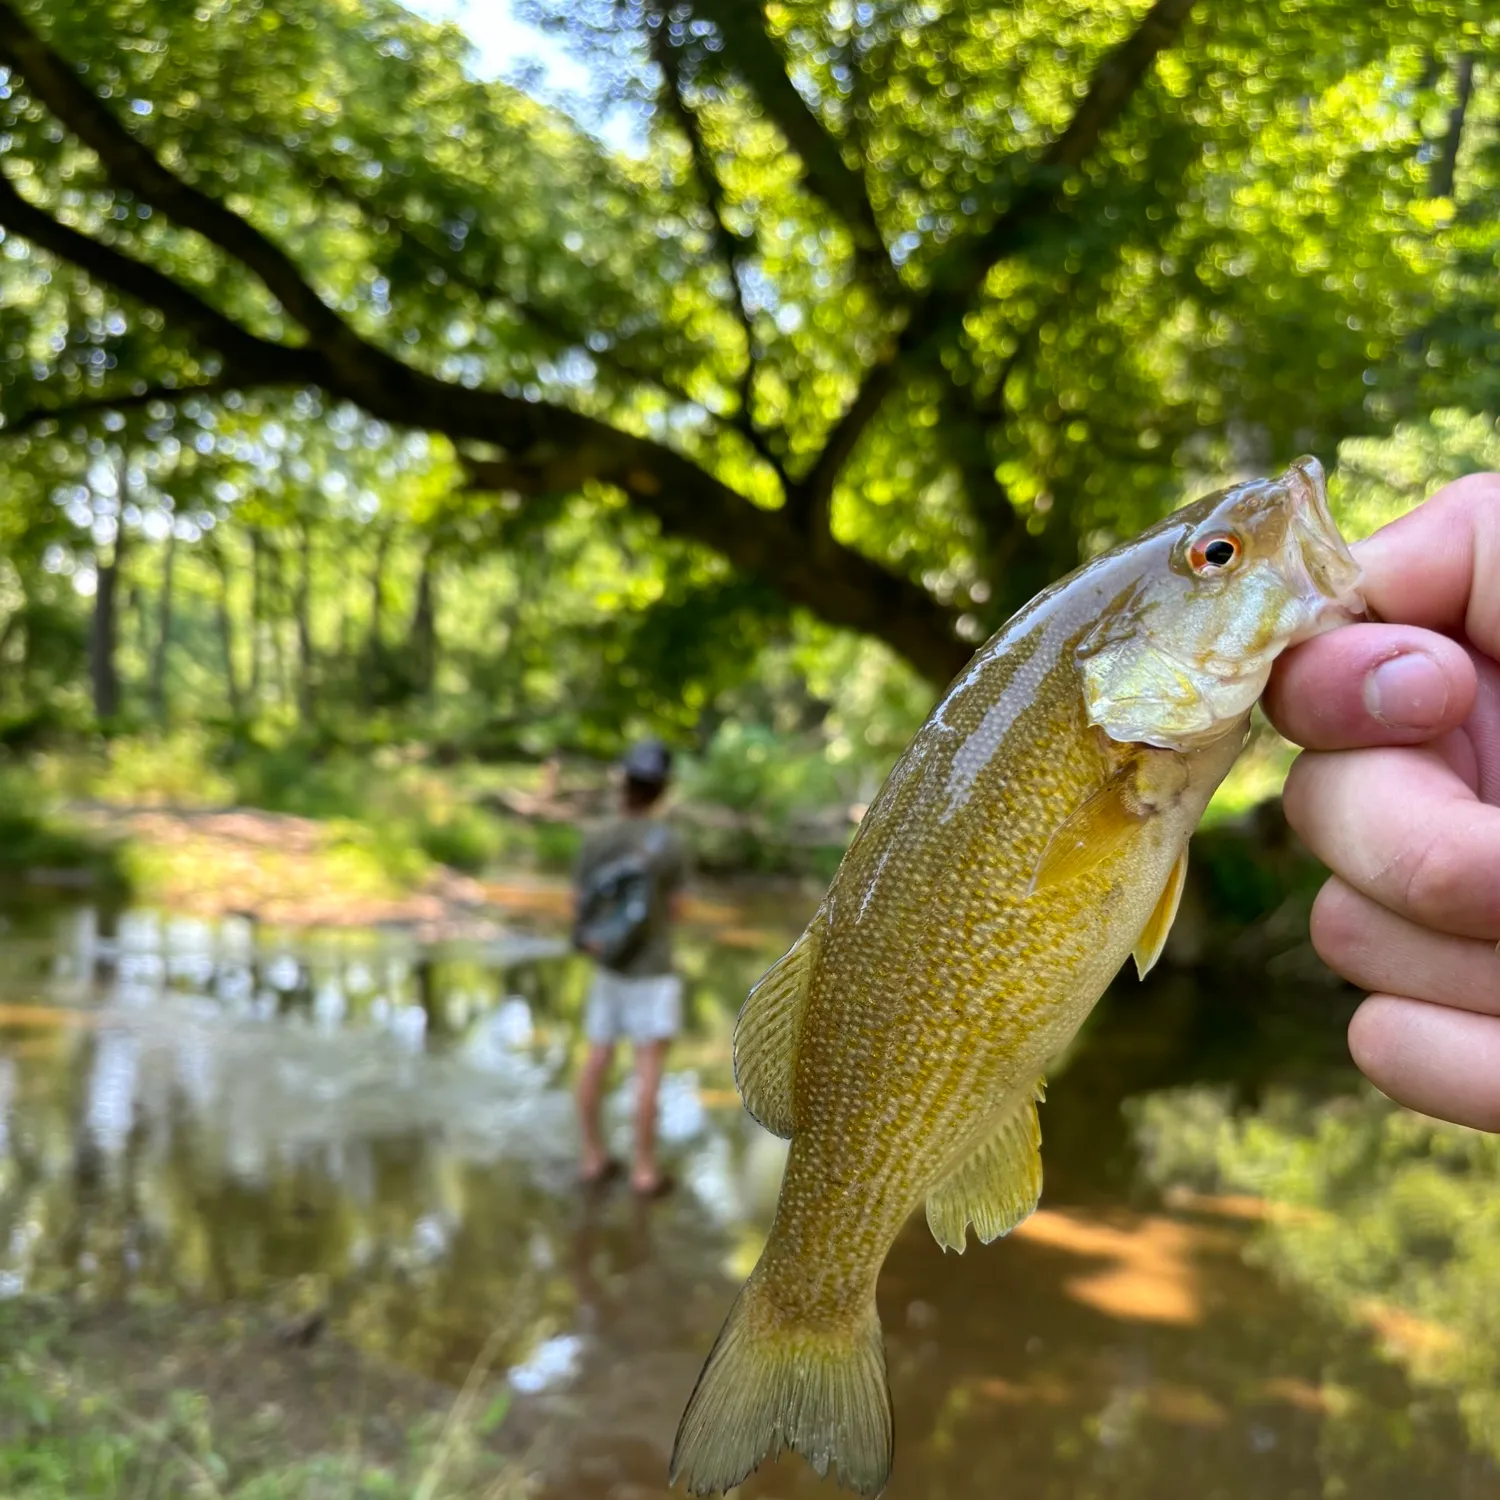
(733, 399)
(1017, 280)
(41, 846)
(1379, 479)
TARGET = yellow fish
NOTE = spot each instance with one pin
(1032, 835)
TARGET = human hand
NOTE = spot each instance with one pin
(1399, 795)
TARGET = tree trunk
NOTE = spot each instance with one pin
(424, 638)
(135, 611)
(105, 629)
(275, 606)
(1445, 164)
(348, 636)
(1015, 564)
(13, 631)
(232, 690)
(374, 641)
(252, 688)
(163, 631)
(306, 664)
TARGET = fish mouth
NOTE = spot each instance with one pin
(1331, 568)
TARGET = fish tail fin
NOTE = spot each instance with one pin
(768, 1385)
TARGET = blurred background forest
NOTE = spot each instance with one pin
(402, 407)
(359, 408)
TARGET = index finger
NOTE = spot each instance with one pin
(1401, 826)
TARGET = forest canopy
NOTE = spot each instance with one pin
(758, 380)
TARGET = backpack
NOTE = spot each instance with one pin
(613, 905)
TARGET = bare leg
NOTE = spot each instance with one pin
(650, 1058)
(590, 1096)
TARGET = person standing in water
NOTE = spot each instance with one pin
(627, 891)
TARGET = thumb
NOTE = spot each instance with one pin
(1371, 685)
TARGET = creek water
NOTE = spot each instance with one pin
(224, 1111)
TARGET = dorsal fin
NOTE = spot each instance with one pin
(994, 1187)
(769, 1031)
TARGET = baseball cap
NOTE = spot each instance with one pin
(648, 760)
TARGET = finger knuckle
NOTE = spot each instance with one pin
(1339, 926)
(1435, 880)
(1296, 802)
(1370, 1039)
(1480, 491)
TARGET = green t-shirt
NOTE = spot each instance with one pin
(662, 850)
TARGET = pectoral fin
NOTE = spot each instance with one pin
(1092, 832)
(996, 1187)
(769, 1032)
(1153, 936)
(1149, 782)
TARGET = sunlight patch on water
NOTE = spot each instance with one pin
(1150, 1274)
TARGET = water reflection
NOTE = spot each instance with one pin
(380, 1133)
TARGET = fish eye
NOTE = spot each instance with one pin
(1214, 554)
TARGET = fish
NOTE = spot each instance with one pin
(1032, 836)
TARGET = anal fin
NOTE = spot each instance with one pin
(769, 1032)
(1153, 936)
(994, 1188)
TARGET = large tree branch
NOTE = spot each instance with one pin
(120, 401)
(1115, 80)
(339, 358)
(809, 501)
(547, 319)
(253, 360)
(958, 276)
(131, 164)
(381, 215)
(730, 246)
(839, 584)
(384, 216)
(749, 51)
(550, 449)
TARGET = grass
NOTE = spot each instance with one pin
(74, 1426)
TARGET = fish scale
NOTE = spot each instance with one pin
(1032, 835)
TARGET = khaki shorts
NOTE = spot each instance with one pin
(648, 1009)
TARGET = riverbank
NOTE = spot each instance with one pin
(129, 1399)
(452, 851)
(287, 835)
(1250, 885)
